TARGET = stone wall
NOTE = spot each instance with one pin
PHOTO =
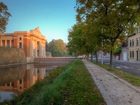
(11, 56)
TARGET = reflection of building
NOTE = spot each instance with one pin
(30, 76)
(32, 42)
(134, 47)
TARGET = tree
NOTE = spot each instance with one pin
(57, 48)
(83, 39)
(76, 40)
(4, 16)
(115, 17)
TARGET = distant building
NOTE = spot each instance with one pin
(124, 52)
(134, 46)
(32, 42)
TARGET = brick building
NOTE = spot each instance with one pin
(32, 42)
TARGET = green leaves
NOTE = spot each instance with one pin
(111, 19)
(57, 48)
(83, 38)
(4, 16)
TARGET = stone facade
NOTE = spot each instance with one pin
(134, 47)
(12, 56)
(32, 42)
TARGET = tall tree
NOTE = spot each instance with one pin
(83, 39)
(115, 17)
(76, 40)
(4, 16)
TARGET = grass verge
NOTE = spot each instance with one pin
(132, 79)
(70, 85)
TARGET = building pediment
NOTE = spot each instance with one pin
(36, 31)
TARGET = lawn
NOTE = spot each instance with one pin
(68, 85)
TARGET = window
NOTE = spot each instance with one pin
(20, 38)
(38, 71)
(20, 81)
(12, 84)
(20, 87)
(8, 84)
(20, 45)
(38, 53)
(130, 43)
(137, 42)
(130, 54)
(37, 45)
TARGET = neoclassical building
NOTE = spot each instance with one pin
(32, 42)
(134, 46)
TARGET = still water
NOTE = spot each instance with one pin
(15, 80)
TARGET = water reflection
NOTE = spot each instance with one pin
(13, 81)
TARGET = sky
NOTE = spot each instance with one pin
(53, 17)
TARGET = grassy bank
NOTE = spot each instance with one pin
(133, 79)
(70, 85)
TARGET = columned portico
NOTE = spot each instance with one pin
(33, 43)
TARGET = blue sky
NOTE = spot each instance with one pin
(54, 17)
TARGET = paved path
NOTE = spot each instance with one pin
(114, 90)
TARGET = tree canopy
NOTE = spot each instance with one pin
(107, 20)
(4, 16)
(57, 47)
(83, 39)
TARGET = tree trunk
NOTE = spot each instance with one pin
(111, 57)
(91, 57)
(87, 56)
(96, 54)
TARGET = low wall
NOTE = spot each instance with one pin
(11, 56)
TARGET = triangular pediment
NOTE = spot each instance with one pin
(36, 31)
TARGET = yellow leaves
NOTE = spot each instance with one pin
(89, 4)
(81, 1)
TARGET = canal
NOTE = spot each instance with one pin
(15, 80)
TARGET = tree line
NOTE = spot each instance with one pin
(57, 48)
(100, 23)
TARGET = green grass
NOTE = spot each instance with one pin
(133, 79)
(70, 85)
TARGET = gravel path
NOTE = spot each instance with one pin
(114, 90)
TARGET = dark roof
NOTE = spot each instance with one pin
(132, 35)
